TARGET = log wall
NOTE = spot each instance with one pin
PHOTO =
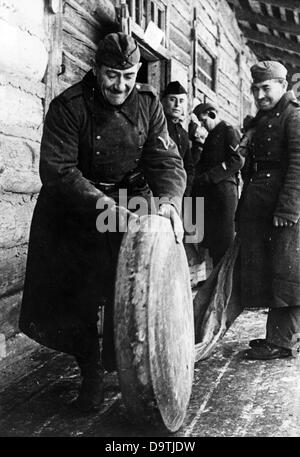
(23, 61)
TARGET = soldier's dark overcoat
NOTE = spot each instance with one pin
(181, 137)
(270, 256)
(70, 265)
(221, 161)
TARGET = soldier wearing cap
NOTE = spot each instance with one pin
(174, 102)
(216, 179)
(100, 135)
(269, 210)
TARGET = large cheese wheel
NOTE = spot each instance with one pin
(154, 326)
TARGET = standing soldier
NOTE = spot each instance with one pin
(100, 135)
(269, 210)
(174, 103)
(216, 179)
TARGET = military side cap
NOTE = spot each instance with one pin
(267, 69)
(118, 50)
(175, 88)
(203, 107)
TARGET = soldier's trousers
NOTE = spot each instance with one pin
(283, 326)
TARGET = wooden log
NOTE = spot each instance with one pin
(12, 269)
(26, 19)
(15, 219)
(9, 314)
(25, 110)
(19, 154)
(154, 329)
(24, 84)
(21, 53)
(20, 182)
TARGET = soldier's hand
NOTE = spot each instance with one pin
(122, 214)
(168, 210)
(282, 222)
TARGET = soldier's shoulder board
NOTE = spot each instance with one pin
(146, 88)
(71, 93)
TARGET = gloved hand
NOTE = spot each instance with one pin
(168, 210)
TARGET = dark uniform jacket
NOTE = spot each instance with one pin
(270, 255)
(220, 157)
(70, 265)
(220, 162)
(180, 136)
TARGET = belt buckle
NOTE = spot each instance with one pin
(255, 167)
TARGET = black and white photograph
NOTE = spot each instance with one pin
(149, 221)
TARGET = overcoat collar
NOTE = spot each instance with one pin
(100, 108)
(288, 97)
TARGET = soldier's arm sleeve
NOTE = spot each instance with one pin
(189, 168)
(161, 161)
(233, 159)
(59, 160)
(288, 204)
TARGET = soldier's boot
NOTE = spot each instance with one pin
(91, 393)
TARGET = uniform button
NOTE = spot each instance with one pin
(138, 86)
(98, 137)
(97, 153)
(254, 156)
(268, 175)
(270, 125)
(277, 114)
(137, 160)
(268, 153)
(268, 139)
(251, 180)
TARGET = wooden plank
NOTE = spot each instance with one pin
(77, 51)
(271, 53)
(74, 70)
(178, 21)
(54, 31)
(267, 21)
(290, 4)
(180, 40)
(79, 36)
(266, 39)
(82, 21)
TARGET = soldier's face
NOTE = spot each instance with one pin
(268, 93)
(116, 85)
(174, 105)
(209, 120)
